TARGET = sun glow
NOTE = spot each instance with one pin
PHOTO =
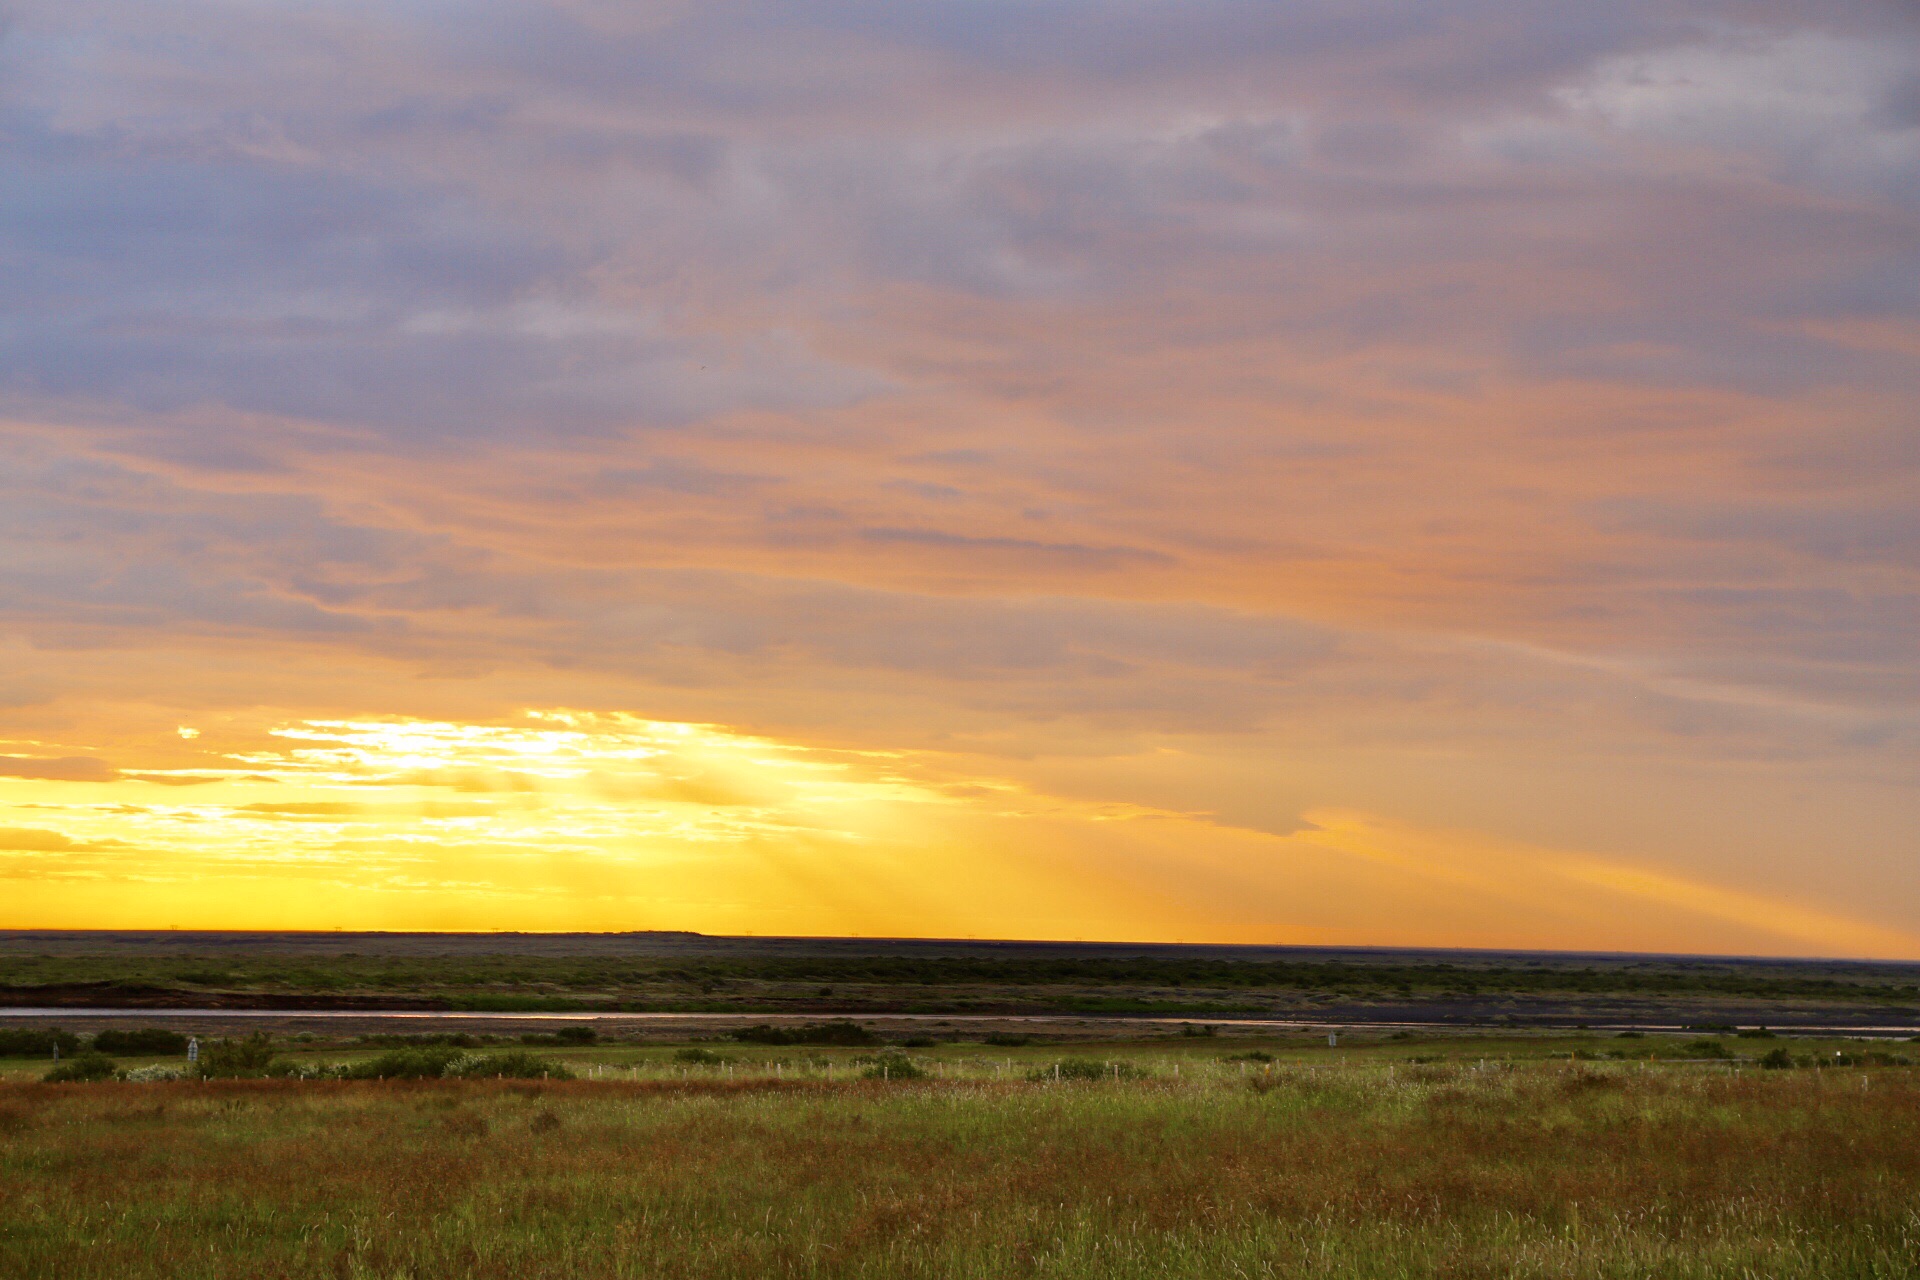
(380, 804)
(574, 820)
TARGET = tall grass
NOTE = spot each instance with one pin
(1361, 1172)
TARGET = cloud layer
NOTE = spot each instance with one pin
(1490, 416)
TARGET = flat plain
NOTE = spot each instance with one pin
(691, 974)
(721, 1108)
(1463, 1156)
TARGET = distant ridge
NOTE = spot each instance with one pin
(687, 943)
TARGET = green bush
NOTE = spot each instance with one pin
(429, 1062)
(288, 1069)
(1009, 1039)
(1756, 1033)
(88, 1066)
(893, 1065)
(516, 1064)
(236, 1059)
(842, 1031)
(152, 1074)
(1704, 1049)
(149, 1041)
(37, 1042)
(1087, 1069)
(566, 1035)
(1776, 1059)
(705, 1057)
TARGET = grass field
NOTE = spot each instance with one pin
(1139, 986)
(641, 973)
(789, 1163)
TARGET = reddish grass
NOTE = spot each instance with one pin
(1541, 1171)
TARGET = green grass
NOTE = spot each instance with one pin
(1341, 1165)
(641, 1060)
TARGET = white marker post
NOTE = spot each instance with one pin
(193, 1049)
(1333, 1039)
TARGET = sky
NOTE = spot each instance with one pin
(1279, 471)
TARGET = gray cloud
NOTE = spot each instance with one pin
(431, 237)
(58, 769)
(1219, 340)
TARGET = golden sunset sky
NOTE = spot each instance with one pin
(1282, 471)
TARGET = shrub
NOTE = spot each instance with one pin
(233, 1059)
(1087, 1069)
(88, 1066)
(705, 1057)
(515, 1064)
(894, 1065)
(37, 1042)
(842, 1031)
(1251, 1055)
(152, 1041)
(1704, 1049)
(1755, 1033)
(919, 1042)
(1010, 1039)
(566, 1035)
(285, 1069)
(1776, 1059)
(152, 1074)
(429, 1062)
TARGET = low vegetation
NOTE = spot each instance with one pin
(1173, 985)
(842, 1031)
(1140, 1162)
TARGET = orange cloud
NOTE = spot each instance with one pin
(1067, 459)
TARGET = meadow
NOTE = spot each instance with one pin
(501, 982)
(1488, 1157)
(690, 974)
